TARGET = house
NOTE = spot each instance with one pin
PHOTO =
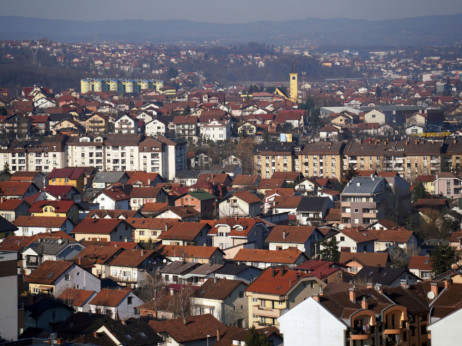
(49, 249)
(10, 284)
(112, 199)
(185, 214)
(245, 182)
(190, 253)
(95, 259)
(125, 124)
(78, 299)
(67, 177)
(354, 240)
(130, 267)
(103, 230)
(193, 330)
(203, 202)
(312, 210)
(186, 233)
(224, 299)
(103, 180)
(366, 200)
(96, 123)
(56, 192)
(117, 304)
(304, 238)
(31, 225)
(448, 184)
(228, 233)
(17, 189)
(44, 312)
(329, 272)
(421, 267)
(6, 228)
(240, 204)
(386, 276)
(53, 277)
(139, 196)
(38, 178)
(355, 261)
(144, 179)
(277, 290)
(10, 209)
(59, 208)
(147, 230)
(234, 271)
(267, 258)
(197, 276)
(173, 272)
(155, 127)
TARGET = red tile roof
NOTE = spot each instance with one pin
(247, 197)
(96, 226)
(187, 251)
(278, 281)
(11, 204)
(59, 206)
(365, 258)
(40, 221)
(131, 258)
(288, 256)
(70, 173)
(290, 234)
(48, 272)
(14, 188)
(108, 297)
(420, 262)
(184, 231)
(75, 297)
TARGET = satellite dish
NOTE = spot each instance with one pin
(431, 295)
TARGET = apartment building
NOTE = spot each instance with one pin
(273, 157)
(321, 159)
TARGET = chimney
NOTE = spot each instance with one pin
(434, 288)
(404, 283)
(364, 304)
(283, 234)
(447, 283)
(171, 291)
(218, 334)
(316, 297)
(353, 294)
(369, 285)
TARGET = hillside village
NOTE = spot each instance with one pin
(174, 212)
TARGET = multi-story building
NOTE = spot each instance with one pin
(408, 158)
(215, 130)
(276, 290)
(273, 157)
(322, 159)
(366, 200)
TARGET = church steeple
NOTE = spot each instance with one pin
(293, 84)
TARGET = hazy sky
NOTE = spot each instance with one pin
(230, 11)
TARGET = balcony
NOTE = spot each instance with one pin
(267, 312)
(392, 331)
(359, 335)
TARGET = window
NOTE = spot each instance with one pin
(129, 300)
(67, 277)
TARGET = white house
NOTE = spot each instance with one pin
(446, 331)
(117, 304)
(242, 204)
(112, 199)
(155, 127)
(215, 130)
(125, 124)
(374, 116)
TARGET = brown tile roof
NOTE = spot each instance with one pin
(150, 223)
(247, 197)
(96, 254)
(288, 201)
(358, 235)
(71, 173)
(217, 290)
(14, 188)
(184, 231)
(290, 234)
(455, 236)
(60, 206)
(288, 256)
(420, 262)
(131, 258)
(11, 204)
(239, 228)
(15, 243)
(96, 226)
(48, 272)
(242, 179)
(271, 183)
(76, 297)
(145, 192)
(154, 207)
(187, 251)
(108, 297)
(39, 221)
(277, 281)
(113, 214)
(365, 258)
(144, 177)
(195, 328)
(115, 194)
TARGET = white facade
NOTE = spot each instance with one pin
(135, 277)
(125, 124)
(124, 310)
(446, 331)
(374, 116)
(309, 323)
(76, 277)
(9, 296)
(215, 130)
(154, 128)
(107, 203)
(67, 227)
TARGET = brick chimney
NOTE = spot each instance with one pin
(364, 304)
(353, 294)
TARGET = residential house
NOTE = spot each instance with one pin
(125, 124)
(95, 259)
(304, 238)
(197, 276)
(103, 230)
(117, 304)
(234, 271)
(322, 159)
(312, 210)
(355, 261)
(224, 299)
(201, 201)
(273, 157)
(10, 209)
(103, 180)
(421, 267)
(130, 267)
(160, 211)
(38, 178)
(97, 123)
(240, 204)
(391, 277)
(78, 299)
(190, 253)
(59, 208)
(173, 272)
(147, 230)
(366, 200)
(233, 233)
(193, 330)
(112, 198)
(144, 179)
(245, 182)
(44, 312)
(53, 277)
(277, 290)
(155, 127)
(17, 189)
(448, 184)
(67, 177)
(31, 225)
(186, 233)
(355, 240)
(139, 196)
(48, 249)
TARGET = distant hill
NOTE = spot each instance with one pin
(418, 31)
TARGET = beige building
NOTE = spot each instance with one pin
(273, 157)
(322, 159)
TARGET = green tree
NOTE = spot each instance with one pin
(187, 110)
(418, 192)
(330, 250)
(6, 168)
(349, 174)
(256, 339)
(172, 73)
(442, 257)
